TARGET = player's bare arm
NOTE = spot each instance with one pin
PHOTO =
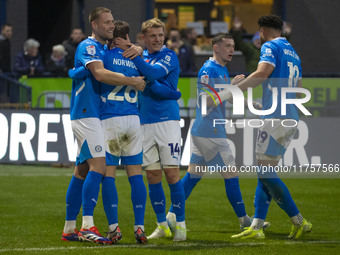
(299, 85)
(262, 72)
(211, 101)
(103, 75)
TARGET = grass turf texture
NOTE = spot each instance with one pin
(32, 213)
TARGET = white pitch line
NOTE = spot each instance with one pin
(37, 175)
(47, 174)
(146, 246)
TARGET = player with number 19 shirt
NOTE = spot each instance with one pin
(279, 68)
(280, 54)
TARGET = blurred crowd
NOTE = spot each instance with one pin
(31, 63)
(185, 42)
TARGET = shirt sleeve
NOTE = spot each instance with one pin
(78, 73)
(206, 81)
(268, 54)
(151, 72)
(89, 53)
(159, 91)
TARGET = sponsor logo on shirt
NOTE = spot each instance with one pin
(205, 79)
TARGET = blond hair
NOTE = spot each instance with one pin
(152, 23)
(95, 13)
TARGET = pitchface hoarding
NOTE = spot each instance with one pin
(46, 137)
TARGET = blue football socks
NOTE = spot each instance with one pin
(261, 201)
(178, 200)
(138, 197)
(110, 199)
(281, 195)
(90, 192)
(157, 198)
(74, 198)
(232, 188)
(189, 182)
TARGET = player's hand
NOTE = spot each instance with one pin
(139, 83)
(257, 105)
(237, 23)
(122, 43)
(237, 79)
(133, 52)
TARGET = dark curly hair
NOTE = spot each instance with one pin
(271, 21)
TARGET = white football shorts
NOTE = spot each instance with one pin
(162, 142)
(123, 138)
(273, 138)
(90, 138)
(211, 151)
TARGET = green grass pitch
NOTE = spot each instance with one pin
(32, 213)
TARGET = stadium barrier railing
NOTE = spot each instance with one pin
(13, 94)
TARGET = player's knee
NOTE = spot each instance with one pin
(154, 176)
(172, 175)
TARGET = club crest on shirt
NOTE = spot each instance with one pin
(91, 49)
(98, 148)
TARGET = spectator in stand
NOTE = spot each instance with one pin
(56, 62)
(189, 37)
(71, 45)
(29, 62)
(251, 50)
(5, 48)
(184, 52)
(241, 28)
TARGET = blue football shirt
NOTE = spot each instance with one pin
(287, 71)
(119, 100)
(153, 110)
(85, 94)
(210, 74)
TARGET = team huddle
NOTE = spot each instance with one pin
(124, 111)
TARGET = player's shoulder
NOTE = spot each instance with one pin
(88, 41)
(167, 52)
(210, 67)
(277, 43)
(90, 45)
(168, 56)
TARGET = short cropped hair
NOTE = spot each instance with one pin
(152, 23)
(31, 43)
(95, 13)
(122, 29)
(219, 37)
(271, 21)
